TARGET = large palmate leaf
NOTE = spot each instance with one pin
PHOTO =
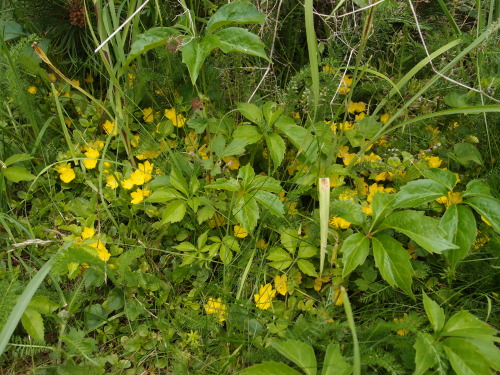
(251, 112)
(460, 226)
(354, 252)
(236, 39)
(415, 193)
(424, 230)
(382, 205)
(393, 262)
(248, 133)
(235, 13)
(195, 51)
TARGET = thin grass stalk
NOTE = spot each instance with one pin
(312, 48)
(356, 370)
(324, 213)
(450, 18)
(67, 137)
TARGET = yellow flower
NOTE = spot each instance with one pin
(139, 195)
(148, 114)
(128, 184)
(66, 173)
(232, 162)
(339, 301)
(401, 332)
(280, 284)
(434, 162)
(76, 82)
(143, 174)
(217, 308)
(89, 79)
(328, 69)
(265, 297)
(385, 117)
(261, 244)
(110, 128)
(177, 119)
(339, 223)
(372, 157)
(52, 77)
(92, 154)
(240, 232)
(318, 283)
(384, 176)
(452, 198)
(88, 232)
(361, 116)
(32, 90)
(344, 86)
(356, 107)
(367, 209)
(111, 182)
(102, 252)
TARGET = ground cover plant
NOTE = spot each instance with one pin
(249, 187)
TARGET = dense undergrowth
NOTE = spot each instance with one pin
(268, 187)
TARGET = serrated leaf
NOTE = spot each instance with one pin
(271, 112)
(42, 304)
(434, 312)
(235, 13)
(426, 354)
(393, 262)
(354, 251)
(270, 202)
(476, 188)
(152, 38)
(306, 250)
(179, 182)
(236, 147)
(301, 138)
(251, 112)
(289, 239)
(279, 258)
(237, 39)
(265, 183)
(420, 228)
(464, 324)
(298, 352)
(276, 147)
(17, 174)
(489, 351)
(464, 359)
(226, 255)
(247, 174)
(223, 184)
(32, 322)
(446, 178)
(174, 212)
(487, 207)
(249, 133)
(246, 211)
(418, 192)
(16, 158)
(335, 363)
(465, 152)
(162, 195)
(307, 267)
(348, 210)
(270, 368)
(460, 226)
(382, 205)
(205, 213)
(195, 51)
(368, 127)
(185, 246)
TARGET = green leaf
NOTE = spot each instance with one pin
(133, 309)
(393, 262)
(460, 226)
(421, 229)
(205, 213)
(418, 192)
(223, 184)
(368, 127)
(434, 312)
(476, 188)
(32, 322)
(382, 205)
(270, 368)
(289, 239)
(276, 147)
(179, 182)
(348, 210)
(17, 174)
(464, 324)
(12, 30)
(42, 304)
(195, 51)
(236, 39)
(271, 112)
(307, 267)
(16, 158)
(235, 13)
(488, 350)
(246, 211)
(456, 100)
(306, 250)
(236, 147)
(270, 202)
(464, 358)
(426, 355)
(249, 133)
(335, 363)
(279, 258)
(301, 138)
(446, 178)
(174, 212)
(247, 174)
(251, 112)
(185, 246)
(354, 251)
(298, 352)
(487, 207)
(162, 195)
(226, 255)
(465, 152)
(150, 39)
(265, 183)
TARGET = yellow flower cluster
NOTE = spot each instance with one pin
(240, 232)
(66, 173)
(345, 85)
(176, 118)
(217, 308)
(280, 284)
(451, 198)
(339, 223)
(265, 296)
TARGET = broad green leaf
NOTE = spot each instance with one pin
(348, 210)
(237, 39)
(464, 324)
(393, 262)
(354, 251)
(78, 344)
(246, 211)
(307, 267)
(185, 246)
(382, 205)
(226, 255)
(335, 363)
(232, 243)
(205, 213)
(42, 304)
(301, 138)
(174, 212)
(421, 229)
(251, 112)
(298, 352)
(487, 207)
(488, 350)
(179, 182)
(236, 147)
(265, 183)
(464, 358)
(289, 239)
(195, 51)
(476, 188)
(418, 192)
(460, 226)
(446, 178)
(32, 322)
(12, 30)
(465, 152)
(270, 368)
(279, 258)
(271, 112)
(276, 147)
(217, 144)
(368, 127)
(235, 13)
(456, 100)
(133, 309)
(426, 354)
(16, 158)
(249, 133)
(356, 138)
(17, 174)
(434, 312)
(223, 184)
(306, 250)
(247, 174)
(202, 239)
(150, 39)
(270, 202)
(163, 195)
